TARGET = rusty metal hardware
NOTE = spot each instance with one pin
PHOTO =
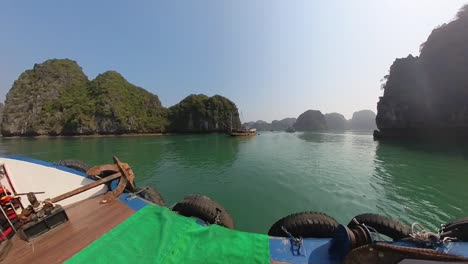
(359, 236)
(296, 243)
(119, 170)
(33, 200)
(29, 193)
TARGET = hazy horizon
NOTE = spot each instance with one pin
(274, 59)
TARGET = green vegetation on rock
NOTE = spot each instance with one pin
(34, 105)
(275, 125)
(429, 92)
(121, 107)
(260, 125)
(200, 113)
(56, 98)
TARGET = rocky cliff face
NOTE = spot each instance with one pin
(56, 98)
(260, 125)
(121, 107)
(429, 93)
(283, 124)
(200, 113)
(275, 125)
(310, 120)
(33, 105)
(335, 121)
(363, 120)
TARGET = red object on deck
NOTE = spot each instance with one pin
(9, 180)
(9, 205)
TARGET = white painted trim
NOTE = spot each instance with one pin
(31, 177)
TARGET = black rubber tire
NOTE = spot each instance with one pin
(305, 224)
(204, 208)
(74, 164)
(458, 228)
(456, 222)
(150, 194)
(384, 225)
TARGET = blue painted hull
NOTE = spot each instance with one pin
(313, 250)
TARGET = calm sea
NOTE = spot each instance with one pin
(263, 178)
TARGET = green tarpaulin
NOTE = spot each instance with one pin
(157, 235)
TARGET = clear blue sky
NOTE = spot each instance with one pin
(274, 59)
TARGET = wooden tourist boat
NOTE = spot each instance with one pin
(243, 132)
(54, 214)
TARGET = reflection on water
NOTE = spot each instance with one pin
(201, 151)
(422, 183)
(331, 136)
(311, 136)
(261, 179)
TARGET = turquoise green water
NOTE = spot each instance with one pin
(264, 178)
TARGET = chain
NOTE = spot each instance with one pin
(297, 242)
(134, 195)
(369, 229)
(217, 220)
(142, 190)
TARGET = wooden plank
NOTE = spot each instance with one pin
(89, 220)
(84, 188)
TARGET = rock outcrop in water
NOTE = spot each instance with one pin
(335, 121)
(363, 120)
(121, 107)
(310, 120)
(260, 125)
(56, 98)
(200, 113)
(43, 99)
(275, 125)
(427, 95)
(283, 124)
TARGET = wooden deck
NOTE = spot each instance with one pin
(88, 220)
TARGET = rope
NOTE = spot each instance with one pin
(42, 204)
(419, 233)
(374, 232)
(369, 229)
(134, 195)
(297, 242)
(142, 190)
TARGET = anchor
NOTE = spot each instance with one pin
(119, 170)
(36, 218)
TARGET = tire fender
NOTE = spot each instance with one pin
(305, 224)
(384, 225)
(204, 208)
(150, 194)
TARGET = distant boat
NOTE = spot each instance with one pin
(243, 132)
(290, 129)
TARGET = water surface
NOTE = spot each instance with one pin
(264, 178)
